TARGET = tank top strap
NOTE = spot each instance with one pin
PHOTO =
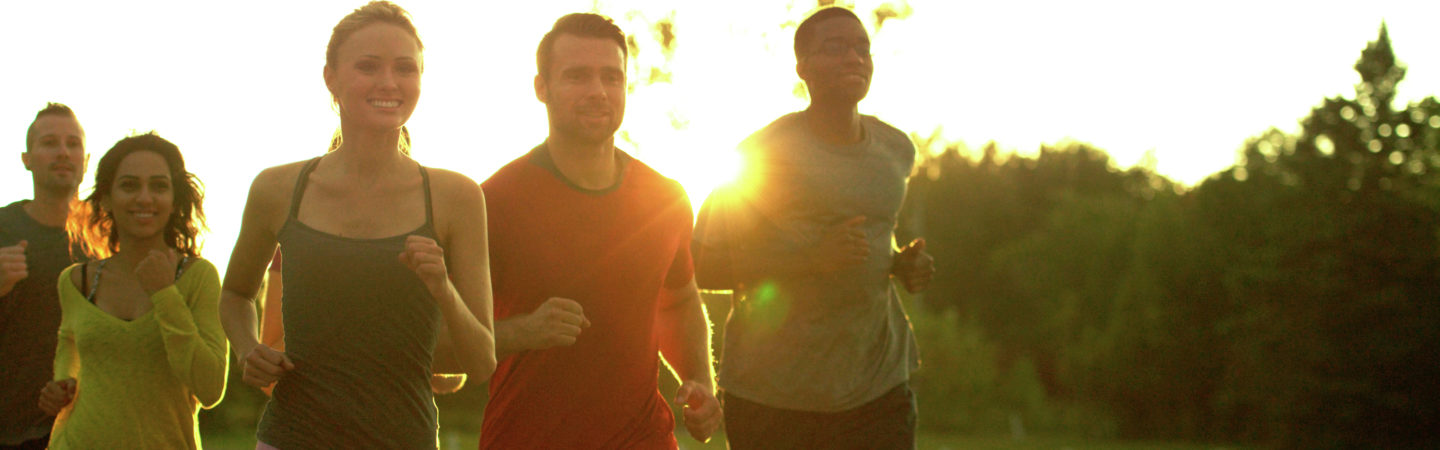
(95, 284)
(425, 182)
(300, 187)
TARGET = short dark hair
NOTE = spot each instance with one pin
(94, 229)
(51, 109)
(805, 33)
(588, 25)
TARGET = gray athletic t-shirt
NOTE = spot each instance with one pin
(827, 342)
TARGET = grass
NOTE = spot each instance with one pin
(458, 440)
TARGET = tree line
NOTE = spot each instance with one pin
(1288, 301)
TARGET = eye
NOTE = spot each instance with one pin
(49, 141)
(614, 78)
(160, 186)
(408, 68)
(128, 185)
(834, 48)
(574, 76)
(366, 66)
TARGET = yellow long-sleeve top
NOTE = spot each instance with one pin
(140, 383)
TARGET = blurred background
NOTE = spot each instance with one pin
(1156, 225)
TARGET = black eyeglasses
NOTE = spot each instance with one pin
(838, 47)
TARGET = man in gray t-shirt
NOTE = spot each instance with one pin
(33, 251)
(818, 350)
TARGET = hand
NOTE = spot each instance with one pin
(914, 267)
(56, 395)
(156, 271)
(557, 322)
(425, 257)
(264, 366)
(701, 409)
(843, 245)
(12, 266)
(446, 383)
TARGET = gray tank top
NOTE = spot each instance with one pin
(361, 330)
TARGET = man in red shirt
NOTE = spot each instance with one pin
(592, 275)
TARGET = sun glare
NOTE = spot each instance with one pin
(240, 89)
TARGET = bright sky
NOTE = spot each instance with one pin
(238, 85)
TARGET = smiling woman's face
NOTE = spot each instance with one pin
(142, 198)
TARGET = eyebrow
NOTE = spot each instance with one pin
(409, 58)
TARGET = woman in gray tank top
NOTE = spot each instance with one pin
(386, 267)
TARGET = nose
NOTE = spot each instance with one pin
(595, 88)
(387, 78)
(146, 197)
(852, 55)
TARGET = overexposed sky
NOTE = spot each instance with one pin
(237, 85)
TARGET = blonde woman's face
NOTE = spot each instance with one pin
(376, 79)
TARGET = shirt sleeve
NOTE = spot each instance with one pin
(67, 362)
(195, 344)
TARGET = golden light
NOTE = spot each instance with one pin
(239, 88)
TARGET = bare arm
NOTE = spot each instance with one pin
(264, 213)
(467, 343)
(684, 334)
(555, 323)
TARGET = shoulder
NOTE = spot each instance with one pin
(509, 173)
(10, 210)
(887, 135)
(201, 266)
(276, 182)
(454, 187)
(775, 134)
(10, 218)
(515, 180)
(75, 276)
(653, 181)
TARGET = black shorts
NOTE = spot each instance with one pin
(887, 422)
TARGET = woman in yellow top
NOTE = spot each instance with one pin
(141, 348)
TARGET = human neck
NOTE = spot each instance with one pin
(368, 155)
(586, 164)
(133, 250)
(835, 124)
(50, 207)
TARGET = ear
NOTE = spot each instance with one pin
(541, 90)
(25, 159)
(330, 81)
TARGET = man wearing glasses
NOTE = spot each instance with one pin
(818, 351)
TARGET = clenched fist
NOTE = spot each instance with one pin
(557, 322)
(57, 395)
(12, 266)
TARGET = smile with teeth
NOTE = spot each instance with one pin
(385, 103)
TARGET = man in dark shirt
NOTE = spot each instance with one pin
(33, 251)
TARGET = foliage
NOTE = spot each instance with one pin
(1288, 301)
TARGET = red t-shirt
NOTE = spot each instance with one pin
(612, 251)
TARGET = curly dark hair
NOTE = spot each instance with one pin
(94, 228)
